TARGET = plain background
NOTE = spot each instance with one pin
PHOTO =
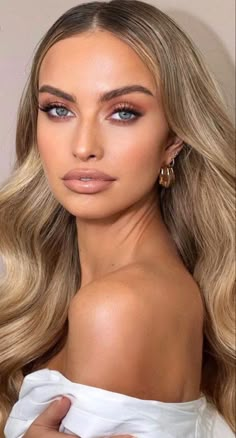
(210, 23)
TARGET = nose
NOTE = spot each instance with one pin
(86, 144)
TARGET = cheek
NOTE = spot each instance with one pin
(142, 167)
(141, 152)
(50, 147)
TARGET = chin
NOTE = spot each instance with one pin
(89, 211)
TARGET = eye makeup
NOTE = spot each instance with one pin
(60, 111)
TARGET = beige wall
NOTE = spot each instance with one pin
(211, 24)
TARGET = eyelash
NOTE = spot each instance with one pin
(125, 106)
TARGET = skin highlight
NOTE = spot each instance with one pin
(91, 135)
(41, 248)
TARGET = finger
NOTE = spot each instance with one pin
(47, 434)
(52, 416)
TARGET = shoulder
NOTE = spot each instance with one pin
(110, 317)
(115, 293)
(137, 297)
(146, 286)
(117, 328)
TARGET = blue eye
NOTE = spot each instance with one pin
(124, 115)
(127, 111)
(56, 111)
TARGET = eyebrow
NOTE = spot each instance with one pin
(102, 98)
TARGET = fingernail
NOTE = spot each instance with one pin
(64, 398)
(58, 400)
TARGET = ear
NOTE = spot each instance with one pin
(172, 149)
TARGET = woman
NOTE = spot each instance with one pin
(118, 235)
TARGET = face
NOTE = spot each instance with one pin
(125, 136)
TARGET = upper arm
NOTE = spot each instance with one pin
(113, 340)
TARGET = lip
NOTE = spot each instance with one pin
(76, 174)
(93, 186)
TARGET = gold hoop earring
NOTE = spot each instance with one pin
(167, 175)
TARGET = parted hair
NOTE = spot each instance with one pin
(38, 237)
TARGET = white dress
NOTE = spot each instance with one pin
(96, 412)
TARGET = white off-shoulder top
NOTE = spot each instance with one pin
(96, 412)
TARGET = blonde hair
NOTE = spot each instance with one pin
(38, 236)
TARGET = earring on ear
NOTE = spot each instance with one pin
(167, 175)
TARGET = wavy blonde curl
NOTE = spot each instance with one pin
(38, 241)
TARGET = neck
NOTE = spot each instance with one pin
(106, 245)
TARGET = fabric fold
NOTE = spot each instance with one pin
(96, 412)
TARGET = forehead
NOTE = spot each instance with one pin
(93, 60)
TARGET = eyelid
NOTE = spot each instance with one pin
(47, 107)
(52, 104)
(64, 105)
(128, 105)
(117, 107)
(128, 108)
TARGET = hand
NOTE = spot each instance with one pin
(47, 424)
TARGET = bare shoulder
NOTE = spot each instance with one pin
(126, 329)
(109, 338)
(169, 291)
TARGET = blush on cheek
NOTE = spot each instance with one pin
(147, 154)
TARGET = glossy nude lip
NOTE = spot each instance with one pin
(87, 173)
(93, 186)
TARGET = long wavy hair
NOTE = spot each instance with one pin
(38, 243)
